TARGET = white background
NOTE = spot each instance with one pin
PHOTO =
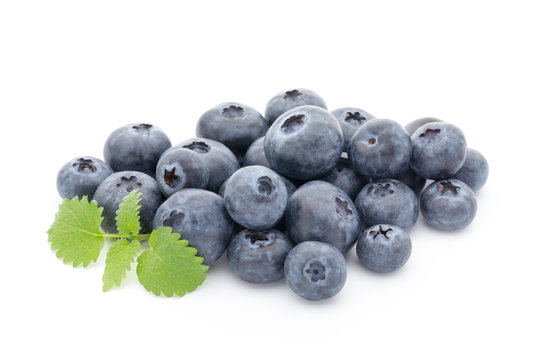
(73, 71)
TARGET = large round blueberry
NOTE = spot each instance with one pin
(304, 143)
(220, 161)
(255, 197)
(112, 190)
(257, 256)
(201, 218)
(232, 124)
(319, 211)
(416, 124)
(439, 150)
(474, 171)
(290, 99)
(315, 270)
(180, 168)
(345, 178)
(81, 177)
(136, 147)
(350, 119)
(448, 204)
(255, 154)
(384, 248)
(380, 148)
(387, 201)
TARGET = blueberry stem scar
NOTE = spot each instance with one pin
(445, 186)
(380, 232)
(292, 94)
(355, 117)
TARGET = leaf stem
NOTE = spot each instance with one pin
(139, 237)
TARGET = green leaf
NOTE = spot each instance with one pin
(127, 215)
(170, 267)
(75, 233)
(119, 258)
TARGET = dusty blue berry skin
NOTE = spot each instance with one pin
(255, 154)
(200, 217)
(290, 99)
(412, 180)
(81, 177)
(384, 248)
(219, 159)
(136, 147)
(258, 256)
(112, 190)
(380, 148)
(350, 119)
(315, 270)
(180, 168)
(233, 124)
(387, 201)
(439, 151)
(319, 211)
(345, 178)
(255, 197)
(416, 124)
(304, 143)
(474, 171)
(448, 204)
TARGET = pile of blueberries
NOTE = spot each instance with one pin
(276, 191)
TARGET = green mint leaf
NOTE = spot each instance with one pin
(127, 215)
(170, 267)
(119, 258)
(75, 233)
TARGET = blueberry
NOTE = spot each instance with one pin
(387, 201)
(384, 248)
(345, 178)
(290, 99)
(411, 179)
(258, 256)
(448, 204)
(439, 151)
(304, 143)
(315, 270)
(350, 119)
(474, 171)
(416, 124)
(219, 159)
(81, 177)
(319, 211)
(136, 147)
(201, 218)
(112, 190)
(380, 148)
(232, 124)
(181, 168)
(255, 154)
(255, 197)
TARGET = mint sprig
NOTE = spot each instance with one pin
(170, 267)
